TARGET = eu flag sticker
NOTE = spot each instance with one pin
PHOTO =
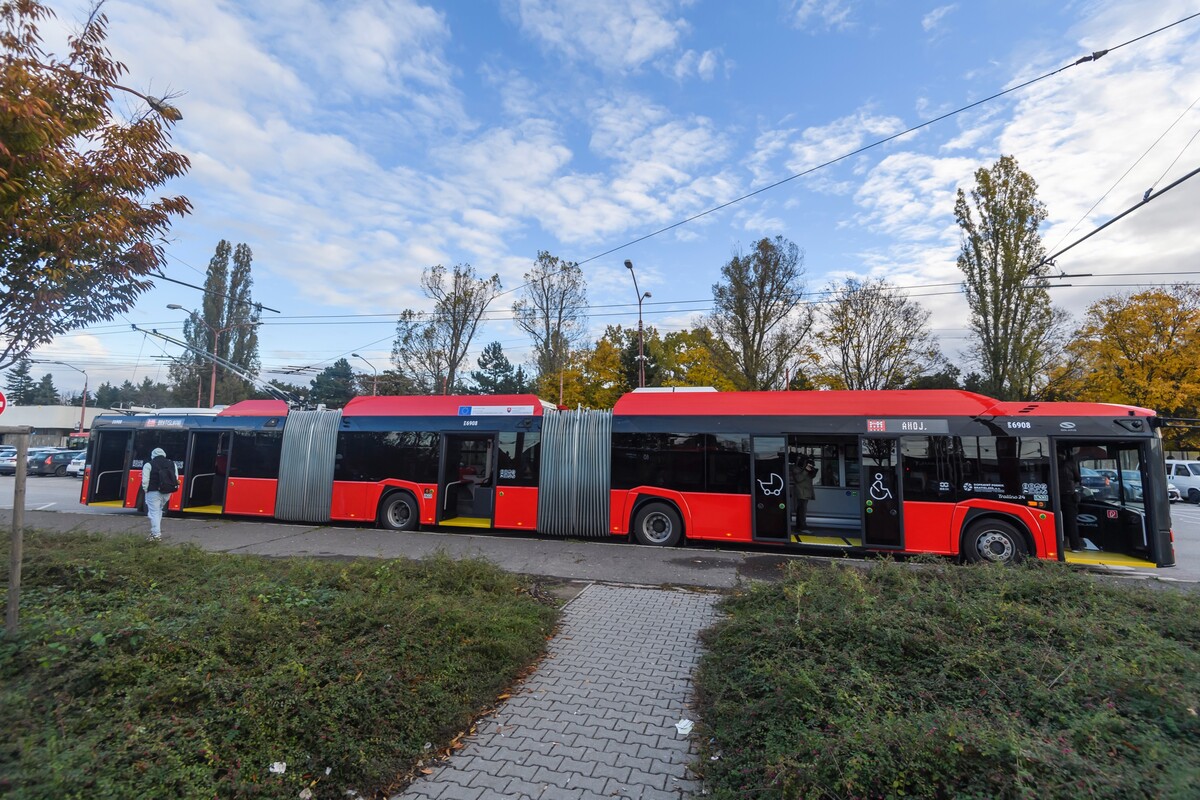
(464, 411)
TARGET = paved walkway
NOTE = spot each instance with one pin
(597, 718)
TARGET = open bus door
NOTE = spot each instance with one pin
(1120, 512)
(109, 475)
(204, 472)
(467, 480)
(882, 510)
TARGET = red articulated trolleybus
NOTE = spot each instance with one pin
(938, 471)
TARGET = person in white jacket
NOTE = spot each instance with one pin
(159, 482)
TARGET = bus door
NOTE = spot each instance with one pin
(1116, 512)
(110, 455)
(467, 480)
(882, 520)
(770, 488)
(204, 472)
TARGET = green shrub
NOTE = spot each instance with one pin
(151, 671)
(946, 681)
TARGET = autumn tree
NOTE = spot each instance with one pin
(1018, 336)
(80, 227)
(228, 321)
(759, 322)
(1140, 349)
(687, 360)
(429, 349)
(552, 310)
(874, 337)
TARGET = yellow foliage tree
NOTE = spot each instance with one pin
(1141, 350)
(689, 361)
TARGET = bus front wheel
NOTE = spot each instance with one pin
(995, 541)
(657, 524)
(399, 512)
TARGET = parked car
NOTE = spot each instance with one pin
(8, 464)
(1094, 484)
(76, 466)
(51, 463)
(1185, 475)
(1173, 495)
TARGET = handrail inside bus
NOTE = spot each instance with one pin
(198, 476)
(446, 502)
(100, 477)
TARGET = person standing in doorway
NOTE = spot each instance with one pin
(1070, 486)
(159, 482)
(802, 475)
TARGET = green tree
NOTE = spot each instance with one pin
(759, 324)
(552, 311)
(334, 386)
(228, 309)
(18, 384)
(429, 349)
(948, 377)
(496, 374)
(107, 396)
(875, 338)
(80, 228)
(1018, 336)
(44, 392)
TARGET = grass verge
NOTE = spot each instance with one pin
(151, 671)
(956, 682)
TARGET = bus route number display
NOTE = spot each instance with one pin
(908, 426)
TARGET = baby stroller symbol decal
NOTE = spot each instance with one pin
(773, 486)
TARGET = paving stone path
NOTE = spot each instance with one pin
(597, 718)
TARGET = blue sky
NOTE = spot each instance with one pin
(351, 144)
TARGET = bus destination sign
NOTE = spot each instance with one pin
(908, 426)
(495, 411)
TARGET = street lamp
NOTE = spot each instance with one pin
(375, 379)
(641, 296)
(83, 409)
(216, 334)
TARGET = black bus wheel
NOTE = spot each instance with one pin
(657, 524)
(399, 512)
(995, 541)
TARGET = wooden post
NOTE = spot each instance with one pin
(18, 528)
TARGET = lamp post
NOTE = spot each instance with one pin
(641, 354)
(83, 409)
(216, 334)
(375, 379)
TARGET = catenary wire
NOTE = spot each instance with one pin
(1082, 60)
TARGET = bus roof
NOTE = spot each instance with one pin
(898, 403)
(256, 408)
(515, 405)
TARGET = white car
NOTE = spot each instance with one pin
(76, 466)
(1185, 475)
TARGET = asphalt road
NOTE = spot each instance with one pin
(47, 498)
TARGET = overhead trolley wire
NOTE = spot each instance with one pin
(1095, 55)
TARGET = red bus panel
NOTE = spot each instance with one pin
(355, 500)
(252, 496)
(516, 508)
(929, 528)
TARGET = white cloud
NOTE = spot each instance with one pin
(615, 35)
(815, 14)
(931, 20)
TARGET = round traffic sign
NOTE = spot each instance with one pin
(3, 402)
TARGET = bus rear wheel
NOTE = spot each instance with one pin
(994, 541)
(399, 512)
(657, 524)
